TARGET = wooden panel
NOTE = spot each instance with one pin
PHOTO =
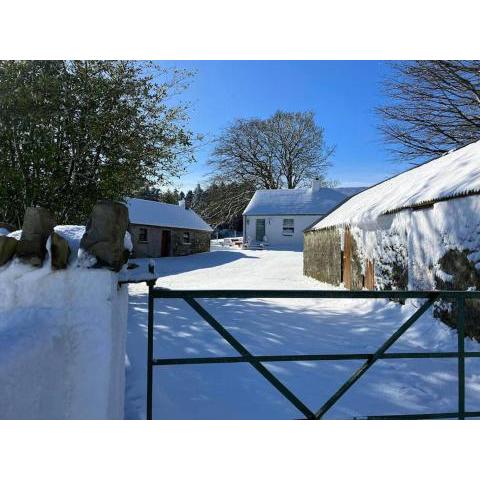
(369, 275)
(347, 259)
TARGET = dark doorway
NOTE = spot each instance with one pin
(166, 243)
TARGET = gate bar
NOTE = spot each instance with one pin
(255, 363)
(339, 393)
(159, 292)
(419, 416)
(305, 358)
(461, 357)
(150, 350)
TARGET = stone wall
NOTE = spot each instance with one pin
(322, 256)
(151, 248)
(199, 241)
(459, 273)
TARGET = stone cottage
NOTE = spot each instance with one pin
(417, 230)
(165, 230)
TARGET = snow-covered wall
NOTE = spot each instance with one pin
(62, 340)
(419, 239)
(408, 248)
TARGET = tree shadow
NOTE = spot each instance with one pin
(300, 326)
(174, 265)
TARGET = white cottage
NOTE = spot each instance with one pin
(277, 218)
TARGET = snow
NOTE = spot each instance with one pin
(146, 212)
(418, 239)
(62, 339)
(294, 201)
(16, 234)
(453, 174)
(128, 242)
(283, 326)
(73, 235)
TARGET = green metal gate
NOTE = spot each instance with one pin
(256, 361)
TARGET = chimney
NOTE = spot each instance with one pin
(181, 203)
(316, 185)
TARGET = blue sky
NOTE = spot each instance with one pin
(343, 95)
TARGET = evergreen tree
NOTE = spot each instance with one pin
(189, 199)
(72, 132)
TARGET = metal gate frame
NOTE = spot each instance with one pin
(256, 361)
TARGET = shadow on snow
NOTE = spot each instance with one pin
(297, 327)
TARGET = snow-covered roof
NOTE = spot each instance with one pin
(455, 174)
(146, 212)
(294, 202)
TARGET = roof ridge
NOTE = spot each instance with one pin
(438, 187)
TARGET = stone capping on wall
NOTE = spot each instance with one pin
(104, 238)
(63, 329)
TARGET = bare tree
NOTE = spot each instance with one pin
(223, 203)
(434, 107)
(286, 150)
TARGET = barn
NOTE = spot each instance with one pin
(277, 218)
(165, 230)
(417, 230)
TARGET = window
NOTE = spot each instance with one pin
(186, 237)
(288, 226)
(143, 235)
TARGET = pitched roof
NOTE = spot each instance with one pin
(293, 202)
(455, 174)
(146, 212)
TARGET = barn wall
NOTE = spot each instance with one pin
(444, 248)
(406, 248)
(322, 255)
(200, 241)
(435, 248)
(384, 249)
(332, 256)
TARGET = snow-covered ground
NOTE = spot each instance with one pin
(283, 326)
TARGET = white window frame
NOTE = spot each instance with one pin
(288, 231)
